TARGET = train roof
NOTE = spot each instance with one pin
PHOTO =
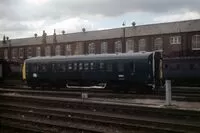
(135, 56)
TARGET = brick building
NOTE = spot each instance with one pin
(175, 39)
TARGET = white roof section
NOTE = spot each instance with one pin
(138, 55)
(141, 30)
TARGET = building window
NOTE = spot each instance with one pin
(47, 51)
(57, 50)
(104, 47)
(158, 44)
(14, 53)
(91, 48)
(142, 45)
(130, 45)
(78, 49)
(38, 51)
(5, 53)
(21, 52)
(68, 50)
(196, 42)
(118, 47)
(175, 40)
(29, 52)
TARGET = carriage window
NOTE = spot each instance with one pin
(61, 67)
(69, 66)
(92, 66)
(80, 66)
(194, 66)
(33, 68)
(109, 67)
(58, 68)
(86, 66)
(75, 66)
(101, 66)
(166, 66)
(42, 68)
(174, 67)
(120, 67)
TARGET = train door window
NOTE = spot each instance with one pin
(109, 67)
(120, 67)
(101, 66)
(174, 66)
(69, 66)
(75, 66)
(80, 66)
(33, 68)
(92, 66)
(53, 68)
(42, 68)
(132, 67)
(60, 67)
(194, 66)
(86, 66)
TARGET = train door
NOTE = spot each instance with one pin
(1, 72)
(158, 74)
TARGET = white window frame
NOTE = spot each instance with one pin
(104, 47)
(21, 53)
(68, 49)
(158, 44)
(142, 45)
(29, 52)
(48, 51)
(57, 50)
(14, 53)
(5, 53)
(38, 51)
(91, 48)
(118, 46)
(175, 40)
(130, 45)
(196, 42)
(79, 48)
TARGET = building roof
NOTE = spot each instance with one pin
(141, 30)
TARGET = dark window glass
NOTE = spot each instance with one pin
(58, 68)
(75, 66)
(101, 66)
(33, 68)
(86, 66)
(166, 66)
(69, 66)
(120, 67)
(92, 66)
(42, 68)
(109, 67)
(80, 66)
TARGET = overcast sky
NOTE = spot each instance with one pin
(24, 18)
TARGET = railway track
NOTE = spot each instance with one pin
(50, 114)
(99, 93)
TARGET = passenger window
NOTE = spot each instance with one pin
(109, 67)
(33, 68)
(61, 67)
(92, 66)
(101, 66)
(86, 66)
(80, 66)
(75, 66)
(69, 66)
(42, 68)
(120, 67)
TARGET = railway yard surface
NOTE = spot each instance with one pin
(58, 111)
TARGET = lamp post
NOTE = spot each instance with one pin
(124, 38)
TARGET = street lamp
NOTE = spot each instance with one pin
(124, 38)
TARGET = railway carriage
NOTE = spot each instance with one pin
(117, 71)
